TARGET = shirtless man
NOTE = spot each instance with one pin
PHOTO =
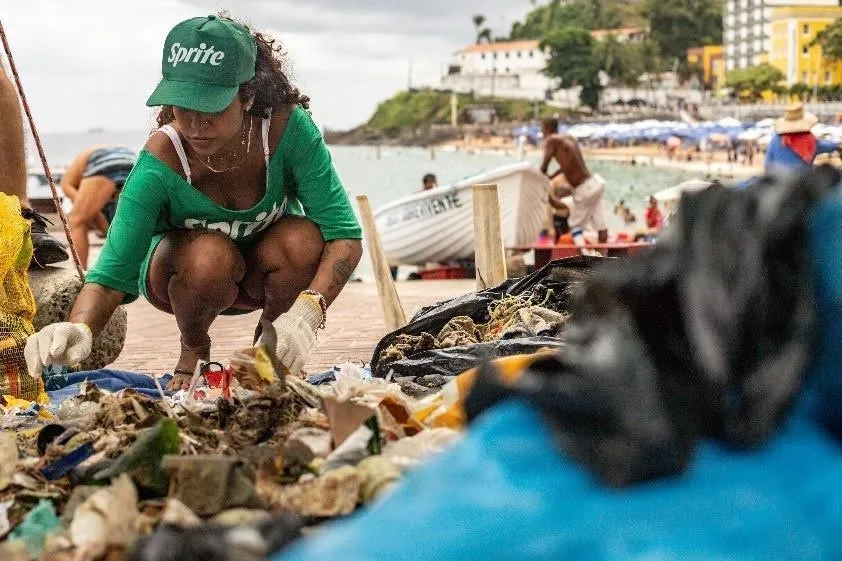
(47, 249)
(573, 175)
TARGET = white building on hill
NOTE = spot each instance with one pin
(510, 69)
(513, 68)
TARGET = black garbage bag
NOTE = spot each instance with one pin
(552, 283)
(707, 335)
(218, 543)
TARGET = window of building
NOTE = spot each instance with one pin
(755, 60)
(758, 13)
(494, 56)
(507, 54)
(743, 62)
(482, 56)
(757, 45)
(827, 76)
(730, 5)
(507, 70)
(804, 77)
(805, 50)
(531, 54)
(806, 29)
(519, 54)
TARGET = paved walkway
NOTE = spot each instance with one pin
(354, 327)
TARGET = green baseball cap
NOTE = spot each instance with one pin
(205, 61)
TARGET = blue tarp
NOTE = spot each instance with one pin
(110, 380)
(505, 493)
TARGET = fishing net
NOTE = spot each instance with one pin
(17, 305)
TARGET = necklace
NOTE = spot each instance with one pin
(242, 159)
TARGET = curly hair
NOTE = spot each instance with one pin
(270, 86)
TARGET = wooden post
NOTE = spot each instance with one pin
(489, 254)
(393, 312)
(432, 152)
(377, 150)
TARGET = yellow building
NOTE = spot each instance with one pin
(711, 59)
(793, 29)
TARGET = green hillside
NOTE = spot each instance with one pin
(422, 107)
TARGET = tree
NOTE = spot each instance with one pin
(574, 61)
(800, 90)
(830, 40)
(677, 25)
(755, 80)
(482, 33)
(621, 62)
(587, 14)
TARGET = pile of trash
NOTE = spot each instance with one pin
(242, 461)
(517, 317)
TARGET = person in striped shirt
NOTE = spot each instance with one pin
(93, 181)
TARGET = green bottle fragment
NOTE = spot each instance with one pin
(142, 462)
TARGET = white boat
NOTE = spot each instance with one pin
(438, 225)
(38, 189)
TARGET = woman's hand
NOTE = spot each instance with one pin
(297, 327)
(296, 331)
(65, 344)
(69, 343)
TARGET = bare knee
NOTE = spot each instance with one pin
(209, 261)
(294, 243)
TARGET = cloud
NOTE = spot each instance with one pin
(92, 63)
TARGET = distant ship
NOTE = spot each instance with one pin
(96, 130)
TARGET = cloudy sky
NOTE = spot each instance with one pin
(92, 63)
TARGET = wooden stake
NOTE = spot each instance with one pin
(393, 312)
(490, 256)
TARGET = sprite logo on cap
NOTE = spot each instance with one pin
(205, 60)
(203, 55)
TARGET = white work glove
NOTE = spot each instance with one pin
(296, 331)
(64, 343)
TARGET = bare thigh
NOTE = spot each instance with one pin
(281, 264)
(207, 258)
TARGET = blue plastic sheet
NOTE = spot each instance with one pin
(505, 493)
(109, 380)
(826, 372)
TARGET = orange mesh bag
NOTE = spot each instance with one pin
(17, 306)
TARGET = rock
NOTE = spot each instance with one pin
(410, 388)
(305, 445)
(334, 494)
(434, 381)
(208, 485)
(240, 517)
(55, 289)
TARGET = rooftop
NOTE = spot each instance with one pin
(500, 46)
